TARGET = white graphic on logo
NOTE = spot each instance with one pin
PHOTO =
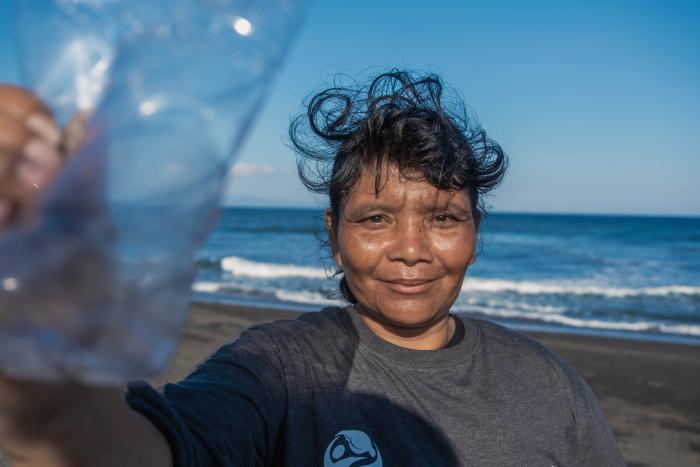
(352, 448)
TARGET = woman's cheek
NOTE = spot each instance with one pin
(362, 250)
(455, 247)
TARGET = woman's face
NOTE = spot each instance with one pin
(404, 251)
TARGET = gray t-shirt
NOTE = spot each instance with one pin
(323, 390)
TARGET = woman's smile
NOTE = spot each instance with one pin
(410, 286)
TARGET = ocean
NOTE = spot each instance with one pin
(614, 275)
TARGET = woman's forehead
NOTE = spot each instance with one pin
(396, 189)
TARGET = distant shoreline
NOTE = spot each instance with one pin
(494, 212)
(522, 325)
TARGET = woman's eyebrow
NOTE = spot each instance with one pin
(372, 206)
(369, 207)
(452, 207)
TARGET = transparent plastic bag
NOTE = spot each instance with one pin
(97, 287)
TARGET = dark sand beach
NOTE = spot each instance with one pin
(649, 391)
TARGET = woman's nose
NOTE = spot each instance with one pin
(411, 244)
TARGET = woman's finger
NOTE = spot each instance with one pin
(30, 154)
(42, 154)
(45, 127)
(29, 158)
(30, 175)
(21, 178)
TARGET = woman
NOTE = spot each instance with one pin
(392, 379)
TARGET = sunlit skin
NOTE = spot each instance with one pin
(404, 252)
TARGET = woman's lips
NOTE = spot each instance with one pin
(410, 286)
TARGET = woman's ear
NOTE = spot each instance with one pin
(332, 239)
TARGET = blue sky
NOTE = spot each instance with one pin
(597, 103)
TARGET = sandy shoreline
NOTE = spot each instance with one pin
(649, 391)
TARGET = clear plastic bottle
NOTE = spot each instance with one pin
(97, 288)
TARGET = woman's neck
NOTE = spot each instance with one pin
(432, 336)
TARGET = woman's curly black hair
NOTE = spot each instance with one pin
(398, 119)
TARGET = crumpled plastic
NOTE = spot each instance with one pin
(96, 288)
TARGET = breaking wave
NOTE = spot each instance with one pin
(545, 288)
(237, 266)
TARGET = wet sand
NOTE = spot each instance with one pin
(649, 391)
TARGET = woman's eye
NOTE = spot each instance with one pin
(444, 218)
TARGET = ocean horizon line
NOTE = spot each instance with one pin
(492, 212)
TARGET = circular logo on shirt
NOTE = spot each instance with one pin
(352, 448)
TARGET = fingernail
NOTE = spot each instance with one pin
(40, 153)
(31, 175)
(45, 127)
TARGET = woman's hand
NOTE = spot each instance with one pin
(30, 151)
(30, 157)
(57, 424)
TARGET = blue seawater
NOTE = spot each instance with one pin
(600, 274)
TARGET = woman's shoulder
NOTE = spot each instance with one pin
(328, 323)
(503, 338)
(507, 347)
(269, 347)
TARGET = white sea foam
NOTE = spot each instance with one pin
(215, 287)
(242, 267)
(557, 318)
(493, 308)
(314, 298)
(508, 305)
(472, 284)
(297, 296)
(206, 287)
(238, 266)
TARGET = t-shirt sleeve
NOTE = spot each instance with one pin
(229, 411)
(594, 440)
